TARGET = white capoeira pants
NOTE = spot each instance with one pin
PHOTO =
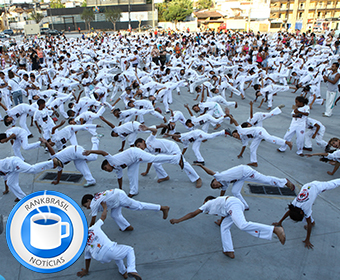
(197, 144)
(221, 100)
(318, 137)
(300, 137)
(126, 202)
(12, 178)
(197, 83)
(263, 134)
(178, 116)
(235, 210)
(151, 112)
(118, 253)
(23, 142)
(225, 85)
(330, 101)
(259, 117)
(142, 156)
(189, 170)
(23, 124)
(256, 177)
(275, 89)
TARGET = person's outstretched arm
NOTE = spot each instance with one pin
(187, 106)
(206, 169)
(279, 223)
(97, 152)
(186, 217)
(107, 122)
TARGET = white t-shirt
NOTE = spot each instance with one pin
(125, 129)
(156, 146)
(232, 175)
(19, 132)
(111, 197)
(97, 243)
(215, 206)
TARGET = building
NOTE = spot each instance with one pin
(312, 15)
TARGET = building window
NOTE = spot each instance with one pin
(319, 14)
(300, 15)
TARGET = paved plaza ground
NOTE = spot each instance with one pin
(192, 249)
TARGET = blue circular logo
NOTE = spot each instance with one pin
(46, 231)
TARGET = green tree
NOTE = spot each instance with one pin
(113, 15)
(204, 4)
(88, 16)
(56, 4)
(84, 4)
(37, 16)
(178, 10)
(161, 8)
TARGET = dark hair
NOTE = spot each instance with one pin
(105, 162)
(6, 121)
(245, 124)
(234, 131)
(41, 102)
(2, 136)
(117, 110)
(70, 113)
(295, 213)
(86, 197)
(188, 121)
(336, 64)
(302, 100)
(139, 140)
(70, 105)
(257, 87)
(71, 119)
(209, 197)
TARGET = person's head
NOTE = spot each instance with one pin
(116, 112)
(25, 77)
(71, 113)
(335, 67)
(210, 197)
(2, 137)
(106, 166)
(215, 184)
(140, 143)
(176, 137)
(8, 120)
(300, 101)
(114, 134)
(189, 123)
(295, 213)
(246, 124)
(196, 108)
(86, 200)
(10, 74)
(334, 142)
(257, 87)
(236, 135)
(72, 121)
(41, 104)
(128, 90)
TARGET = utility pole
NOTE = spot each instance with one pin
(153, 14)
(305, 16)
(129, 9)
(295, 10)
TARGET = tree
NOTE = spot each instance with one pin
(88, 16)
(204, 4)
(113, 15)
(37, 16)
(178, 10)
(84, 4)
(56, 4)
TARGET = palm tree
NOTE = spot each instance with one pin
(88, 16)
(37, 16)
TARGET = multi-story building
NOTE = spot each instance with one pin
(312, 15)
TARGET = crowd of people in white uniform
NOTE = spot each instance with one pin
(61, 85)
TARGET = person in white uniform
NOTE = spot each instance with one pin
(315, 130)
(115, 200)
(102, 249)
(301, 207)
(156, 146)
(131, 158)
(331, 80)
(231, 210)
(238, 175)
(11, 167)
(19, 136)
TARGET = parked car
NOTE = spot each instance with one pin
(4, 36)
(145, 27)
(54, 32)
(8, 32)
(44, 30)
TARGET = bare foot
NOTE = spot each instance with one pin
(217, 126)
(279, 231)
(125, 275)
(163, 179)
(16, 200)
(290, 185)
(253, 164)
(269, 108)
(330, 173)
(218, 222)
(181, 162)
(165, 210)
(290, 144)
(134, 275)
(199, 183)
(230, 254)
(235, 105)
(131, 195)
(301, 155)
(5, 192)
(305, 226)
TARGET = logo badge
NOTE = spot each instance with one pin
(46, 231)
